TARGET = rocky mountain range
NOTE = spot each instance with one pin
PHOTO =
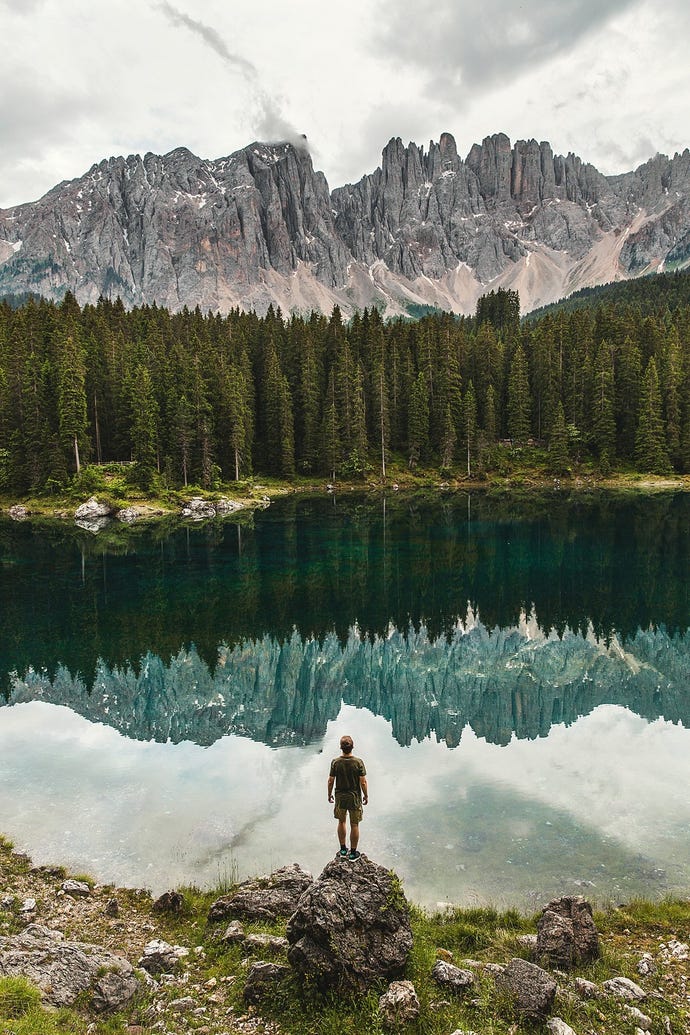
(427, 228)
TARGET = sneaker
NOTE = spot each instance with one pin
(354, 855)
(343, 852)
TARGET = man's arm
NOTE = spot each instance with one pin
(331, 781)
(364, 789)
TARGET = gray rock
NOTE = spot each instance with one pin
(587, 989)
(183, 1005)
(28, 905)
(646, 965)
(451, 977)
(351, 927)
(268, 943)
(233, 933)
(198, 509)
(262, 979)
(528, 943)
(261, 227)
(169, 902)
(128, 515)
(228, 506)
(640, 1019)
(92, 509)
(399, 1004)
(19, 512)
(566, 934)
(160, 957)
(112, 908)
(76, 888)
(267, 898)
(63, 970)
(624, 988)
(531, 988)
(558, 1027)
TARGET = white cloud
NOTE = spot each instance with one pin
(82, 81)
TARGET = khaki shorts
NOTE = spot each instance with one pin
(355, 814)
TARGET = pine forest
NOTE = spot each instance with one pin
(193, 399)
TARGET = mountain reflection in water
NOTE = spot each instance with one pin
(502, 682)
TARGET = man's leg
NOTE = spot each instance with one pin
(354, 835)
(342, 832)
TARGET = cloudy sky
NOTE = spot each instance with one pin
(81, 80)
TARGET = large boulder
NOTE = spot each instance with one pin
(351, 928)
(532, 990)
(566, 934)
(266, 898)
(63, 970)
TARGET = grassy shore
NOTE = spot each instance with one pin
(524, 471)
(214, 973)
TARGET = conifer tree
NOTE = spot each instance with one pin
(519, 402)
(651, 452)
(72, 410)
(558, 442)
(418, 421)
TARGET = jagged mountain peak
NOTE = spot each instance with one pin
(260, 226)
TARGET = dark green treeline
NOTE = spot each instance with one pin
(195, 399)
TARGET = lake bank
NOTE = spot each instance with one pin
(120, 501)
(643, 942)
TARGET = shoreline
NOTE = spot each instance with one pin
(644, 943)
(233, 500)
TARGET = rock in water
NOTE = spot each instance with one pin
(351, 928)
(566, 934)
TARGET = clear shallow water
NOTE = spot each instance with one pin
(534, 743)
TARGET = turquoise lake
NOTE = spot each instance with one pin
(515, 674)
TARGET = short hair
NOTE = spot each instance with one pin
(346, 744)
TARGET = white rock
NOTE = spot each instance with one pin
(624, 988)
(641, 1019)
(558, 1027)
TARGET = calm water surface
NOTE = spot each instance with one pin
(515, 675)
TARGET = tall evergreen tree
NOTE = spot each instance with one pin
(519, 401)
(650, 442)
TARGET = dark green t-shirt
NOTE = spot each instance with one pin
(346, 770)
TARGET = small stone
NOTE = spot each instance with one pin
(183, 1005)
(272, 944)
(76, 888)
(399, 1004)
(587, 989)
(234, 932)
(169, 902)
(451, 977)
(533, 990)
(528, 943)
(112, 908)
(558, 1027)
(624, 988)
(646, 965)
(641, 1019)
(28, 905)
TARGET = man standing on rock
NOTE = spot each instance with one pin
(349, 776)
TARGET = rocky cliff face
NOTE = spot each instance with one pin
(427, 227)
